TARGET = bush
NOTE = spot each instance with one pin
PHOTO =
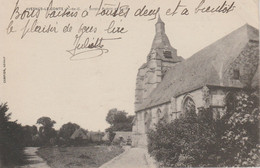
(240, 145)
(199, 140)
(188, 141)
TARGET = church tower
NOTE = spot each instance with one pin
(161, 57)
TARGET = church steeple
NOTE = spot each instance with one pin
(159, 26)
(161, 40)
(161, 57)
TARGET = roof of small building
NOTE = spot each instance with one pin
(79, 133)
(93, 133)
(205, 67)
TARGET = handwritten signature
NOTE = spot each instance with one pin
(91, 47)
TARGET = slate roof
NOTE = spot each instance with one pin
(203, 68)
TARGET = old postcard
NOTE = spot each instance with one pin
(129, 83)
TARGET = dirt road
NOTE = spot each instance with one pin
(34, 161)
(131, 158)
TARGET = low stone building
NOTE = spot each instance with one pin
(87, 135)
(167, 84)
(123, 135)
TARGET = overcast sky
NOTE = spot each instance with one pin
(42, 81)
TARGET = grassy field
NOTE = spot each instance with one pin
(87, 157)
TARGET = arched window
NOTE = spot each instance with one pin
(188, 106)
(230, 100)
(147, 121)
(158, 113)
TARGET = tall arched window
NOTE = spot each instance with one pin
(188, 106)
(158, 114)
(230, 100)
(147, 121)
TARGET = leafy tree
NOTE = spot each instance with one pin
(29, 133)
(119, 120)
(114, 116)
(46, 122)
(11, 134)
(67, 130)
(46, 130)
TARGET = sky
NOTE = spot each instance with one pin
(41, 80)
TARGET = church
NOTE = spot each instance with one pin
(167, 84)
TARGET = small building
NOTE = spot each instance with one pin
(79, 134)
(123, 135)
(95, 136)
(105, 137)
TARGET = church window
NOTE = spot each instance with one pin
(159, 112)
(147, 121)
(236, 74)
(167, 54)
(189, 106)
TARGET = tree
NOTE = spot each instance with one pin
(114, 116)
(241, 138)
(46, 122)
(29, 133)
(46, 131)
(119, 120)
(11, 134)
(67, 130)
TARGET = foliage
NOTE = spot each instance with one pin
(10, 142)
(67, 130)
(241, 138)
(119, 121)
(30, 134)
(46, 122)
(187, 141)
(46, 130)
(232, 140)
(111, 134)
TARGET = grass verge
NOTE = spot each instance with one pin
(75, 157)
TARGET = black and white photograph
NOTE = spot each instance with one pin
(129, 83)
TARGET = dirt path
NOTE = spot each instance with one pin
(34, 160)
(131, 158)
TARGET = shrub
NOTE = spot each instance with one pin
(199, 140)
(188, 141)
(241, 138)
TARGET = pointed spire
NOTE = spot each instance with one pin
(159, 19)
(159, 26)
(161, 44)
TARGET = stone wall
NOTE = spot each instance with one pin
(149, 76)
(139, 89)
